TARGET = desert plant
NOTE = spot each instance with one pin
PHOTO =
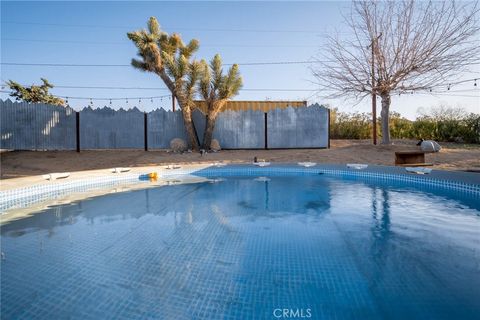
(440, 123)
(34, 94)
(400, 128)
(169, 58)
(445, 123)
(345, 125)
(216, 89)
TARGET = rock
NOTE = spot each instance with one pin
(178, 145)
(215, 145)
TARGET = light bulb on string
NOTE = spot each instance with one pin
(475, 82)
(126, 100)
(448, 88)
(91, 102)
(110, 102)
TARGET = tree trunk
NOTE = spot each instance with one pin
(185, 107)
(187, 120)
(208, 134)
(385, 117)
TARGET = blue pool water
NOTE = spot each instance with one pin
(247, 248)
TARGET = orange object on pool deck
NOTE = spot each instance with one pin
(153, 175)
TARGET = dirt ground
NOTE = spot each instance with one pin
(27, 163)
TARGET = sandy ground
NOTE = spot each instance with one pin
(27, 163)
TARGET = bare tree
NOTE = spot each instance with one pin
(416, 46)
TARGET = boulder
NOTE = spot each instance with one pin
(215, 145)
(178, 145)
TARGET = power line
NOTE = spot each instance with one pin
(180, 29)
(166, 89)
(128, 65)
(244, 89)
(203, 45)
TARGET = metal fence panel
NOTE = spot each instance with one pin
(163, 126)
(26, 126)
(111, 129)
(45, 127)
(236, 129)
(298, 127)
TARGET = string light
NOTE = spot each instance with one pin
(448, 88)
(475, 83)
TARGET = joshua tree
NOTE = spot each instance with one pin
(34, 94)
(414, 46)
(216, 89)
(169, 58)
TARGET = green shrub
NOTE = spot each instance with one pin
(439, 123)
(349, 125)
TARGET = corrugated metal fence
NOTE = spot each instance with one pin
(45, 127)
(27, 126)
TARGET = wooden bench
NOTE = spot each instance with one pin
(411, 159)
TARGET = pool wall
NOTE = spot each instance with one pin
(464, 182)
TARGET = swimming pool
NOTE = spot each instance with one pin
(245, 245)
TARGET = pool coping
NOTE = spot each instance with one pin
(28, 191)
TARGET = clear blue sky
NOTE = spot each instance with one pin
(95, 33)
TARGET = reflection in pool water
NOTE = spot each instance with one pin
(243, 247)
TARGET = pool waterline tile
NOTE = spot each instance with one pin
(27, 196)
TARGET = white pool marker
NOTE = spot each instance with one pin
(418, 170)
(172, 166)
(261, 163)
(55, 176)
(262, 179)
(307, 164)
(119, 170)
(357, 166)
(219, 164)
